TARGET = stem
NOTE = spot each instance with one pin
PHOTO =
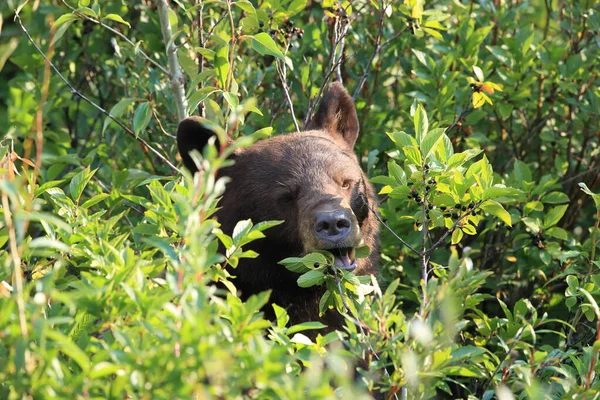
(378, 47)
(594, 242)
(282, 72)
(17, 271)
(424, 232)
(357, 322)
(176, 76)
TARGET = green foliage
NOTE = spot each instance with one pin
(479, 128)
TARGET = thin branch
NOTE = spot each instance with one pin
(466, 111)
(378, 48)
(145, 145)
(449, 231)
(176, 76)
(424, 232)
(358, 323)
(282, 72)
(382, 222)
(339, 34)
(119, 34)
(16, 259)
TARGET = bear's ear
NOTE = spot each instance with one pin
(192, 135)
(337, 114)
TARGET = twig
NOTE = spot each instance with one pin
(424, 232)
(382, 222)
(119, 34)
(339, 34)
(282, 72)
(17, 271)
(466, 111)
(145, 144)
(176, 76)
(449, 231)
(358, 323)
(378, 48)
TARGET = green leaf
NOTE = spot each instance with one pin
(117, 110)
(69, 348)
(117, 18)
(64, 19)
(315, 260)
(430, 141)
(305, 326)
(457, 235)
(413, 154)
(595, 197)
(557, 233)
(397, 173)
(402, 139)
(232, 100)
(311, 278)
(245, 5)
(494, 208)
(264, 44)
(421, 123)
(79, 182)
(554, 215)
(141, 117)
(555, 198)
(61, 31)
(294, 264)
(222, 66)
(362, 252)
(478, 73)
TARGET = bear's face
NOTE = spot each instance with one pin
(313, 184)
(311, 180)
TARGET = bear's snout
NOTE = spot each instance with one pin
(333, 226)
(336, 228)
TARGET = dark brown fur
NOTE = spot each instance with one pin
(292, 177)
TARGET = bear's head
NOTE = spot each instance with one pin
(312, 180)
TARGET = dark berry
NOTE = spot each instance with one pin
(384, 219)
(261, 24)
(426, 166)
(464, 208)
(471, 205)
(430, 206)
(316, 265)
(427, 188)
(443, 208)
(457, 206)
(454, 215)
(431, 182)
(508, 227)
(409, 197)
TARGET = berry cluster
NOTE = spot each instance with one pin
(537, 239)
(288, 30)
(456, 211)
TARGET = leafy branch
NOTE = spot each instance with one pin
(144, 144)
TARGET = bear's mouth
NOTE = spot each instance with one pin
(345, 258)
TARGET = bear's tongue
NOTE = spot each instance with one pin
(344, 259)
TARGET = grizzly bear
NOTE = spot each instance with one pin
(312, 180)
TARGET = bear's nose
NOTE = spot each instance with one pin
(332, 225)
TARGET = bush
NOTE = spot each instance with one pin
(479, 128)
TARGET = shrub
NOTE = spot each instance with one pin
(480, 129)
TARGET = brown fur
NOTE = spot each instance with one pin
(292, 177)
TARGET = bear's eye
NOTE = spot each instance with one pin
(285, 198)
(346, 185)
